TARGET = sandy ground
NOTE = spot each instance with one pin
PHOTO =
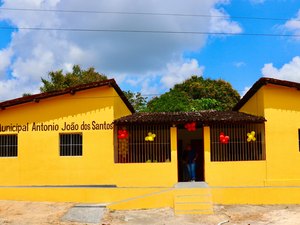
(235, 214)
(46, 213)
(33, 213)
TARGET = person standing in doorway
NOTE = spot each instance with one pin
(191, 162)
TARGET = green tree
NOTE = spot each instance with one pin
(206, 104)
(220, 90)
(172, 101)
(59, 80)
(138, 102)
(194, 94)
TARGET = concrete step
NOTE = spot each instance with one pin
(193, 200)
(181, 198)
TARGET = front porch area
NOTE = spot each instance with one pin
(184, 198)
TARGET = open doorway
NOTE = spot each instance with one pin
(195, 140)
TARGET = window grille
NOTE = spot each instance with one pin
(9, 145)
(70, 144)
(135, 149)
(238, 147)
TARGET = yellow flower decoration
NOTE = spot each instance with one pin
(251, 136)
(150, 137)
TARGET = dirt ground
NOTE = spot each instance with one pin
(235, 214)
(46, 213)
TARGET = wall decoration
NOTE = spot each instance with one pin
(251, 136)
(150, 137)
(123, 145)
(122, 134)
(190, 126)
(224, 139)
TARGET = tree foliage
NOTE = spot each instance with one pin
(172, 101)
(59, 80)
(194, 94)
(138, 102)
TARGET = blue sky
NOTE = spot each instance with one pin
(149, 62)
(240, 59)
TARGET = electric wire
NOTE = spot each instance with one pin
(147, 31)
(143, 13)
(144, 31)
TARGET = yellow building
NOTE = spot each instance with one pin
(86, 144)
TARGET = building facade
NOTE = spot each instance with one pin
(86, 144)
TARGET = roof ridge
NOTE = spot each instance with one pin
(186, 117)
(262, 82)
(71, 90)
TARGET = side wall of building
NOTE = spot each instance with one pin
(282, 112)
(277, 179)
(280, 106)
(88, 112)
(120, 109)
(255, 105)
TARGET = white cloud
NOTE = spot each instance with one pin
(289, 71)
(293, 25)
(5, 59)
(149, 88)
(16, 87)
(173, 73)
(32, 54)
(40, 60)
(177, 73)
(220, 22)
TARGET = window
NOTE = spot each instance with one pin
(70, 144)
(238, 148)
(8, 145)
(135, 149)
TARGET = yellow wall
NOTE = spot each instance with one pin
(148, 174)
(39, 162)
(282, 111)
(120, 109)
(239, 173)
(255, 105)
(274, 180)
(112, 196)
(256, 195)
(280, 107)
